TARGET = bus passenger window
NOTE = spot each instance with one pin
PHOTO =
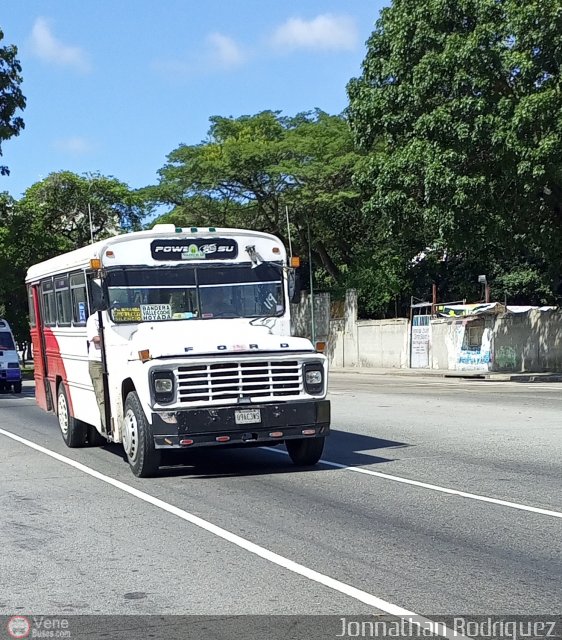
(62, 295)
(79, 299)
(48, 303)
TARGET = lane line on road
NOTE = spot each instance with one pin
(262, 552)
(433, 487)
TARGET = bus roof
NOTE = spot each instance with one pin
(80, 258)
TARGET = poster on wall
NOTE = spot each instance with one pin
(421, 338)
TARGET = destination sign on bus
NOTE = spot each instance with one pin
(151, 312)
(195, 249)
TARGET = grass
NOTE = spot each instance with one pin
(27, 372)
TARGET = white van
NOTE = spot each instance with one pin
(10, 371)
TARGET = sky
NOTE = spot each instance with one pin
(113, 86)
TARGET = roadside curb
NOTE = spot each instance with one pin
(536, 377)
(481, 376)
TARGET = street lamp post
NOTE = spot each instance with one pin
(483, 280)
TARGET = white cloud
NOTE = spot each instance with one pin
(326, 32)
(74, 145)
(219, 53)
(46, 47)
(224, 51)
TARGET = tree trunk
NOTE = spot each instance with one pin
(327, 261)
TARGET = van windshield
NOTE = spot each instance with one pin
(141, 294)
(6, 341)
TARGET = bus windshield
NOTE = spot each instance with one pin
(149, 294)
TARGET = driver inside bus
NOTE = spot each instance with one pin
(216, 303)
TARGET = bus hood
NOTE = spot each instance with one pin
(176, 339)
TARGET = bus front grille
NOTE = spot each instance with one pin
(226, 381)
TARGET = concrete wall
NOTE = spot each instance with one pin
(439, 351)
(336, 350)
(383, 343)
(514, 342)
(528, 342)
(449, 348)
(301, 317)
(367, 343)
(343, 348)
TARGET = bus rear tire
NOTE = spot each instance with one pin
(305, 452)
(17, 387)
(138, 439)
(72, 430)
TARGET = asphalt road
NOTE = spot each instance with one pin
(398, 532)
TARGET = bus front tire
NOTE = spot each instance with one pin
(138, 439)
(305, 452)
(72, 430)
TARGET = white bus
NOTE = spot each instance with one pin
(196, 343)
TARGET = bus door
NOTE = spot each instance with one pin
(97, 303)
(40, 366)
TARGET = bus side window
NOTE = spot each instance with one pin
(79, 299)
(48, 303)
(62, 296)
(32, 320)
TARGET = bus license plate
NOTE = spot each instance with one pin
(247, 416)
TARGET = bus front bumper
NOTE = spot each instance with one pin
(241, 425)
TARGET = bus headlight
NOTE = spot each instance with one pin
(314, 379)
(163, 386)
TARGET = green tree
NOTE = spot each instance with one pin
(53, 217)
(464, 96)
(11, 97)
(252, 170)
(67, 211)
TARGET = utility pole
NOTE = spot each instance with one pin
(90, 210)
(312, 322)
(90, 219)
(433, 299)
(288, 232)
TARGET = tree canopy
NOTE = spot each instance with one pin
(11, 97)
(463, 97)
(53, 217)
(253, 170)
(447, 164)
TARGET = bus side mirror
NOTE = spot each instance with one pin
(99, 301)
(294, 282)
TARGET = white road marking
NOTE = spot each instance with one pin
(262, 552)
(433, 487)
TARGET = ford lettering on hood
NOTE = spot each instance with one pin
(170, 339)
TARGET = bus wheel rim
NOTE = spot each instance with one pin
(131, 435)
(63, 414)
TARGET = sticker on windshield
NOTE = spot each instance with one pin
(270, 301)
(127, 314)
(150, 312)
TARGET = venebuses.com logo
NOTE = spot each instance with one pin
(18, 627)
(38, 627)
